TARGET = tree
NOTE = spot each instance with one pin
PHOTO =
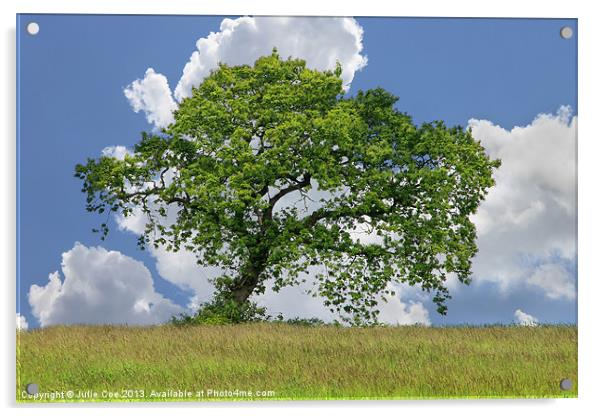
(223, 178)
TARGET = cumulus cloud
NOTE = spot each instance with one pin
(22, 324)
(135, 222)
(118, 152)
(100, 287)
(295, 301)
(524, 319)
(396, 312)
(527, 224)
(181, 269)
(152, 95)
(555, 280)
(320, 41)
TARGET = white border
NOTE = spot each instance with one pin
(590, 150)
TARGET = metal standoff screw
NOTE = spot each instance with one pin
(33, 28)
(566, 32)
(566, 384)
(32, 389)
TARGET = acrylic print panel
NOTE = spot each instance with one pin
(316, 208)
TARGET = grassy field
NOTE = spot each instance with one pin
(283, 362)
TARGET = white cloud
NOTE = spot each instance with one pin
(153, 96)
(320, 41)
(527, 224)
(554, 280)
(22, 324)
(118, 152)
(135, 222)
(525, 319)
(396, 312)
(294, 301)
(100, 286)
(181, 269)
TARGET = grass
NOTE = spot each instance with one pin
(283, 362)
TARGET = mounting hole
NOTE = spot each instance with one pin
(566, 32)
(33, 28)
(566, 384)
(32, 389)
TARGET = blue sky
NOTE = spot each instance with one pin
(71, 105)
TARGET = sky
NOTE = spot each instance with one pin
(90, 84)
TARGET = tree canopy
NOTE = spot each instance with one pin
(272, 172)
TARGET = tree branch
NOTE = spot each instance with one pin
(306, 181)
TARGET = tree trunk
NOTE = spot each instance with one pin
(241, 294)
(243, 287)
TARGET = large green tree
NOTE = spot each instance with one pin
(219, 182)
